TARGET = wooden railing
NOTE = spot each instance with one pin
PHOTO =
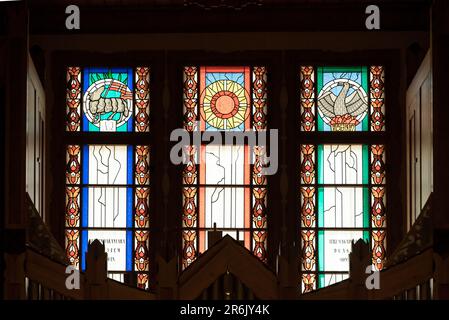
(414, 271)
(409, 280)
(39, 273)
(224, 267)
(46, 280)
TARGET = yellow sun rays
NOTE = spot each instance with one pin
(225, 86)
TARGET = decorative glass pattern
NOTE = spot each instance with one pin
(107, 185)
(190, 170)
(73, 99)
(190, 98)
(108, 99)
(377, 95)
(307, 76)
(342, 99)
(308, 217)
(259, 98)
(342, 186)
(378, 209)
(342, 200)
(224, 99)
(142, 99)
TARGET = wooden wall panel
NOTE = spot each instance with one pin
(419, 141)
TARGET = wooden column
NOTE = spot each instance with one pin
(440, 216)
(16, 52)
(15, 276)
(440, 66)
(167, 278)
(96, 271)
(359, 260)
(441, 277)
(288, 278)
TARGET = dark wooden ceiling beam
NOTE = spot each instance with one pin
(306, 16)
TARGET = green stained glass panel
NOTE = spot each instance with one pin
(342, 96)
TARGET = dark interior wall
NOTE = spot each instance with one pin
(231, 41)
(3, 54)
(332, 47)
(2, 168)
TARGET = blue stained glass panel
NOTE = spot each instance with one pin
(107, 202)
(108, 99)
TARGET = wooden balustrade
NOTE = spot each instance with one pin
(39, 273)
(413, 279)
(45, 279)
(414, 271)
(417, 270)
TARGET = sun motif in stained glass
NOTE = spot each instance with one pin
(108, 104)
(225, 104)
(342, 104)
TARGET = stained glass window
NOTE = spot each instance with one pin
(226, 190)
(342, 186)
(107, 185)
(108, 99)
(342, 98)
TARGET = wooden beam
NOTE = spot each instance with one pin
(100, 18)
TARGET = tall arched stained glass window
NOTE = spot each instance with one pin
(342, 184)
(225, 189)
(107, 184)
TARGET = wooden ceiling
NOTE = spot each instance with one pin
(148, 16)
(212, 3)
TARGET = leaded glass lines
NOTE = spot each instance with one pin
(190, 170)
(378, 209)
(342, 186)
(259, 98)
(142, 100)
(377, 95)
(308, 217)
(108, 185)
(307, 94)
(224, 99)
(73, 98)
(190, 98)
(259, 205)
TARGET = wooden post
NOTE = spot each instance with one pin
(441, 277)
(288, 275)
(14, 112)
(214, 236)
(168, 277)
(96, 271)
(441, 262)
(359, 260)
(440, 65)
(15, 276)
